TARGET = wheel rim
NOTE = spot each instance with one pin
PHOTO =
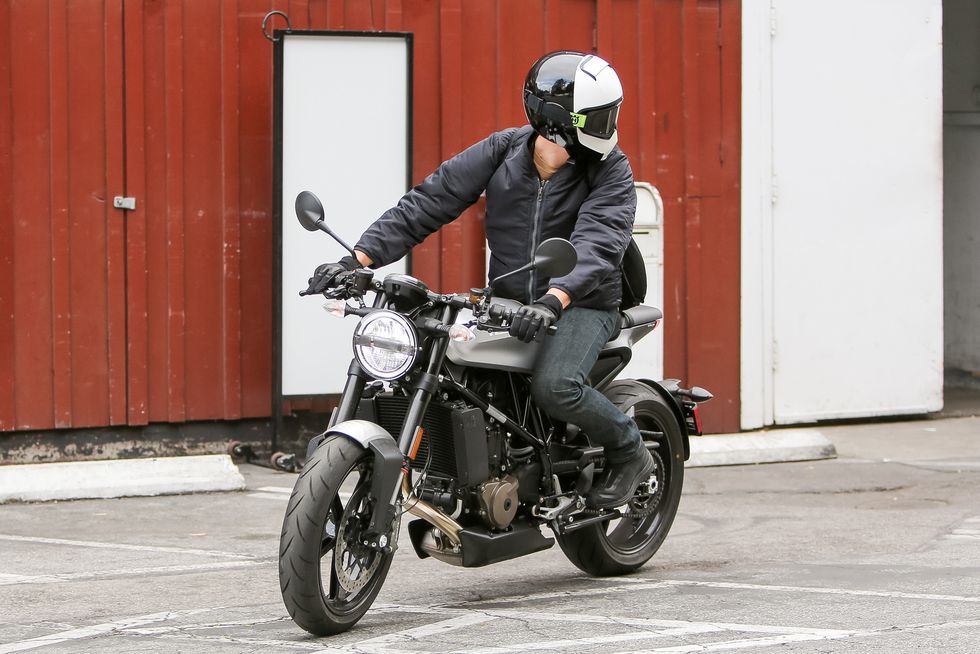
(648, 512)
(347, 566)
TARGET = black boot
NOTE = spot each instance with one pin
(618, 482)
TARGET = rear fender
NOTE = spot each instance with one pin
(386, 472)
(677, 410)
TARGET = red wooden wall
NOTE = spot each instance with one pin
(163, 314)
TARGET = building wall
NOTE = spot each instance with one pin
(961, 211)
(163, 314)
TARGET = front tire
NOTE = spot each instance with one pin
(328, 578)
(621, 546)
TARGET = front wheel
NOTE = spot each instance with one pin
(622, 545)
(328, 576)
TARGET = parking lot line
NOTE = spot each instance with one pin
(827, 591)
(16, 580)
(123, 546)
(94, 630)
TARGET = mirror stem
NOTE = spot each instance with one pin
(322, 226)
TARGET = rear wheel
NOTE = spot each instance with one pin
(328, 576)
(622, 545)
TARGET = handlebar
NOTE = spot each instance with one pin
(355, 285)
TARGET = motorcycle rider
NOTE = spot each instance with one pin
(560, 176)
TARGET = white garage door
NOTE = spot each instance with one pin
(857, 208)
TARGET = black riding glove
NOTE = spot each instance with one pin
(326, 274)
(532, 319)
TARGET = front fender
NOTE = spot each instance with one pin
(385, 473)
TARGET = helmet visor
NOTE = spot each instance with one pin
(600, 122)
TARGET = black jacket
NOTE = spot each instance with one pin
(593, 205)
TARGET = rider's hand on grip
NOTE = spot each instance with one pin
(327, 274)
(533, 319)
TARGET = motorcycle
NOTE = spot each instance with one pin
(436, 420)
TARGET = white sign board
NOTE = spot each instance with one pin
(345, 120)
(648, 354)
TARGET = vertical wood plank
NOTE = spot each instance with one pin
(393, 15)
(61, 282)
(255, 204)
(201, 166)
(8, 416)
(667, 62)
(645, 104)
(156, 135)
(553, 26)
(451, 78)
(174, 121)
(230, 214)
(693, 314)
(722, 234)
(113, 218)
(137, 350)
(422, 18)
(30, 208)
(89, 162)
(606, 29)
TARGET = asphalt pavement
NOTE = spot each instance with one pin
(875, 551)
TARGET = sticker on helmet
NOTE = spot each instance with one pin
(578, 120)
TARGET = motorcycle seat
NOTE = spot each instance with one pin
(640, 315)
(634, 317)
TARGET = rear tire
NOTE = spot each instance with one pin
(621, 546)
(318, 526)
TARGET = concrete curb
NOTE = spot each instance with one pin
(776, 446)
(40, 482)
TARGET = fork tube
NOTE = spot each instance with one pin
(427, 384)
(351, 396)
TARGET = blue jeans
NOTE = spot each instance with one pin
(560, 385)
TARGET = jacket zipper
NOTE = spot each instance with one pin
(535, 228)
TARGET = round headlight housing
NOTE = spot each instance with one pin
(386, 344)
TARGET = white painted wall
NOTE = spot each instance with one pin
(842, 209)
(961, 153)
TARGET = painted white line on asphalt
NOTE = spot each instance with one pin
(796, 638)
(122, 546)
(563, 645)
(270, 496)
(379, 644)
(94, 630)
(225, 624)
(275, 489)
(15, 580)
(659, 623)
(645, 584)
(741, 643)
(958, 536)
(826, 591)
(241, 640)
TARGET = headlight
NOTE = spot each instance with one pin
(386, 344)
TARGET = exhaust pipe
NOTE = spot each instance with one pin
(429, 513)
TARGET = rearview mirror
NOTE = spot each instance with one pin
(555, 257)
(309, 210)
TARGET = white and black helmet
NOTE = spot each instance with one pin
(573, 99)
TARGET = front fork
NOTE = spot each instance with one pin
(391, 466)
